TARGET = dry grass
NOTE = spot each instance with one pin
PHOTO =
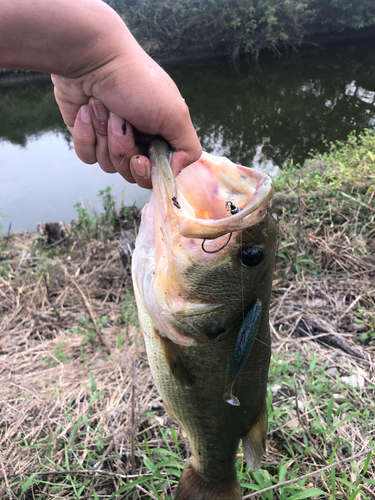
(75, 393)
(47, 367)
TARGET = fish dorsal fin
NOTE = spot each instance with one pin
(175, 361)
(242, 348)
(254, 441)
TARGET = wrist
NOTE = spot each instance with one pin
(105, 36)
(65, 41)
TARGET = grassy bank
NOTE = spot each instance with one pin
(173, 27)
(80, 415)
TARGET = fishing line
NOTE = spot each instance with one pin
(234, 210)
(263, 343)
(231, 207)
(241, 267)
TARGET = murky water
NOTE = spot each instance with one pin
(280, 109)
(255, 115)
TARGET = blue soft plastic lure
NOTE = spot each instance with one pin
(244, 343)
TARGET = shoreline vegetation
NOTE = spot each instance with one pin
(178, 30)
(179, 27)
(81, 417)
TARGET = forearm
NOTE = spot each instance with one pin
(98, 67)
(65, 38)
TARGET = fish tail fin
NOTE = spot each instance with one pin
(193, 486)
(254, 441)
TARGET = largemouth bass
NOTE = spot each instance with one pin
(202, 274)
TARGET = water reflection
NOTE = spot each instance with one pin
(28, 112)
(286, 106)
(254, 115)
(43, 182)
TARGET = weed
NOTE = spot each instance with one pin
(4, 265)
(2, 217)
(94, 224)
(347, 165)
(89, 330)
(128, 314)
(5, 262)
(366, 317)
(59, 356)
(296, 263)
(85, 219)
(108, 217)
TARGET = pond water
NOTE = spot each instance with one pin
(257, 115)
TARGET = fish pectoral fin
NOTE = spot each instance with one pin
(196, 309)
(242, 348)
(254, 441)
(175, 362)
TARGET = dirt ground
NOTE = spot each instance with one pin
(75, 383)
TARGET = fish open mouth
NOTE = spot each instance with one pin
(213, 196)
(209, 200)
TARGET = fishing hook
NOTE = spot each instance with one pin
(218, 250)
(231, 207)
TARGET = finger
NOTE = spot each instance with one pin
(99, 115)
(140, 167)
(122, 147)
(143, 139)
(182, 137)
(180, 160)
(68, 109)
(84, 137)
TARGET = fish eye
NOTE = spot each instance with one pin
(251, 256)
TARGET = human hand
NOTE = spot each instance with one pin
(98, 68)
(114, 112)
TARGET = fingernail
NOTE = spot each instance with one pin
(85, 113)
(139, 166)
(100, 111)
(117, 125)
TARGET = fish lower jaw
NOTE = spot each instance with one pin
(212, 229)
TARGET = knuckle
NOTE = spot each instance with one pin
(84, 142)
(101, 129)
(116, 150)
(197, 152)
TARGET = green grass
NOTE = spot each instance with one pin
(4, 261)
(348, 165)
(90, 330)
(129, 313)
(316, 419)
(98, 224)
(59, 356)
(316, 432)
(366, 317)
(330, 201)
